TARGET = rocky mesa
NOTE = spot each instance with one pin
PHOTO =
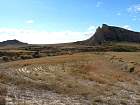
(112, 34)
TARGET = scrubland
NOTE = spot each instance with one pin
(91, 78)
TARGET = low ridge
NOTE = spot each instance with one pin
(11, 42)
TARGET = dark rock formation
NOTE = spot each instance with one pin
(11, 42)
(112, 34)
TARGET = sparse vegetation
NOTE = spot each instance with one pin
(26, 57)
(36, 54)
(122, 48)
(5, 58)
(65, 69)
(66, 74)
(2, 100)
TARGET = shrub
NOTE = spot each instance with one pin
(26, 57)
(36, 54)
(3, 91)
(5, 58)
(2, 100)
(132, 69)
(124, 49)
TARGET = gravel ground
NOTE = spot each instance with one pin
(16, 96)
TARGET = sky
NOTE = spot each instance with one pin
(60, 21)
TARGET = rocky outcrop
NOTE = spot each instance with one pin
(112, 34)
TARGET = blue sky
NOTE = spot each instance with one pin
(56, 21)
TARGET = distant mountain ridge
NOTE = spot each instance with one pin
(12, 42)
(112, 34)
(102, 35)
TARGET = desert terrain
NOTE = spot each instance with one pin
(70, 73)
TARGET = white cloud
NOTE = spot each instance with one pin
(127, 27)
(30, 21)
(99, 3)
(90, 31)
(41, 37)
(45, 37)
(134, 8)
(134, 19)
(92, 28)
(119, 14)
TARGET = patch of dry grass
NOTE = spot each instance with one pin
(77, 74)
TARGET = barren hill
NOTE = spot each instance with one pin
(112, 34)
(11, 42)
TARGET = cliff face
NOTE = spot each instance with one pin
(113, 34)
